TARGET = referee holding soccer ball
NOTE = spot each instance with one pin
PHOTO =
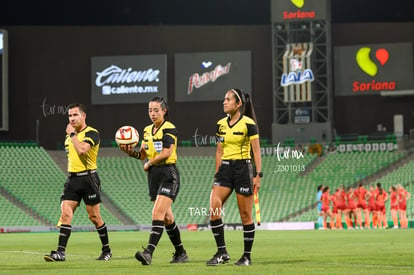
(159, 146)
(82, 146)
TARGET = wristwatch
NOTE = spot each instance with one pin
(260, 174)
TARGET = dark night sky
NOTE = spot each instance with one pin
(186, 12)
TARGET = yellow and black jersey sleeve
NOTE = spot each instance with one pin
(169, 137)
(88, 161)
(164, 137)
(92, 137)
(235, 139)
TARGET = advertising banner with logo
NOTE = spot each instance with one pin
(297, 10)
(297, 74)
(207, 76)
(370, 69)
(128, 79)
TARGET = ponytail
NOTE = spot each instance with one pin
(247, 104)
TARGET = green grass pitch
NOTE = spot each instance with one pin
(274, 252)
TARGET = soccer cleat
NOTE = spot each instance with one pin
(219, 258)
(105, 256)
(55, 256)
(243, 261)
(179, 257)
(145, 257)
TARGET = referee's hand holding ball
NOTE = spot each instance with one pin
(126, 148)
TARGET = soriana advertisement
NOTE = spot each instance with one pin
(372, 68)
(128, 79)
(297, 10)
(207, 76)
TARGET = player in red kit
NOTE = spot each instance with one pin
(403, 196)
(351, 208)
(380, 197)
(361, 194)
(325, 209)
(394, 205)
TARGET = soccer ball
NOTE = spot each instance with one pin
(127, 135)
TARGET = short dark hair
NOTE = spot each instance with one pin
(81, 107)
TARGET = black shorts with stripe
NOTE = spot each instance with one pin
(85, 185)
(237, 175)
(163, 180)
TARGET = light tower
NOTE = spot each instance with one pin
(302, 74)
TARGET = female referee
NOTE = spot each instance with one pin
(237, 135)
(159, 146)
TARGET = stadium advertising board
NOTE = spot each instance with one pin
(207, 76)
(263, 226)
(367, 147)
(370, 69)
(128, 79)
(297, 10)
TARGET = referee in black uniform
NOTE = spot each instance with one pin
(82, 146)
(159, 146)
(237, 137)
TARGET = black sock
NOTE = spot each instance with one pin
(217, 228)
(103, 235)
(155, 235)
(248, 234)
(64, 234)
(175, 237)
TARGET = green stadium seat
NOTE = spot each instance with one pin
(31, 176)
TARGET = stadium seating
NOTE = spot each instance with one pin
(120, 174)
(10, 215)
(31, 176)
(125, 182)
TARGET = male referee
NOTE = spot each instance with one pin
(82, 146)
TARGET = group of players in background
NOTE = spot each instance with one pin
(361, 207)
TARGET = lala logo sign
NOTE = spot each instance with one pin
(296, 76)
(288, 15)
(370, 67)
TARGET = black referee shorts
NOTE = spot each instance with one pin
(163, 180)
(86, 186)
(237, 175)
